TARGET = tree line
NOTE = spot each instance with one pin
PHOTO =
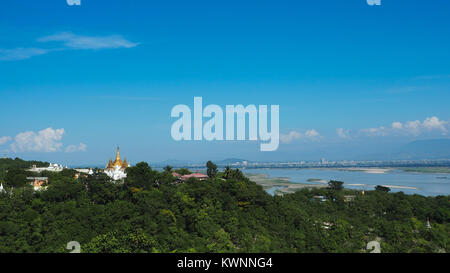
(148, 212)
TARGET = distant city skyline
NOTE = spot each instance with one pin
(351, 80)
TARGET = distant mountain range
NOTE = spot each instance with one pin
(416, 150)
(181, 163)
(231, 161)
(432, 149)
(171, 162)
(427, 149)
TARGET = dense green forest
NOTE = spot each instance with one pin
(148, 212)
(17, 163)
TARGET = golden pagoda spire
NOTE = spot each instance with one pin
(118, 154)
(125, 163)
(110, 164)
(118, 162)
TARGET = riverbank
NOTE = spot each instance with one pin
(366, 170)
(280, 185)
(280, 181)
(436, 170)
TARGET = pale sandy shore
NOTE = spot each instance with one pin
(282, 184)
(389, 186)
(367, 170)
(400, 187)
(357, 185)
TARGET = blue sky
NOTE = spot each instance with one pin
(349, 78)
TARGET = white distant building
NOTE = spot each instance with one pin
(116, 169)
(53, 167)
(86, 171)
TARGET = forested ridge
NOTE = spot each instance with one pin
(17, 163)
(148, 212)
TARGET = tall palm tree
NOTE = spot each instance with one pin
(227, 172)
(168, 168)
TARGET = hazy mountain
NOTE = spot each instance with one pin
(230, 161)
(170, 162)
(427, 149)
(416, 150)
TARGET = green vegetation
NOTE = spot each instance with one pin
(382, 188)
(211, 169)
(17, 163)
(228, 213)
(183, 171)
(336, 185)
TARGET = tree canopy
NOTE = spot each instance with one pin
(227, 213)
(211, 169)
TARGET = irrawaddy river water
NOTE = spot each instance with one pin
(428, 184)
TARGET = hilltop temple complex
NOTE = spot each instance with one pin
(116, 169)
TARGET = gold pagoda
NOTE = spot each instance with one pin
(117, 162)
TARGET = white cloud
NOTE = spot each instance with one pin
(379, 131)
(312, 133)
(294, 135)
(21, 53)
(74, 148)
(73, 41)
(69, 41)
(397, 125)
(343, 133)
(434, 123)
(47, 140)
(4, 139)
(412, 128)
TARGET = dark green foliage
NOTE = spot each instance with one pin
(63, 190)
(336, 185)
(149, 213)
(17, 163)
(100, 189)
(382, 188)
(17, 178)
(122, 242)
(211, 169)
(141, 176)
(183, 171)
(227, 172)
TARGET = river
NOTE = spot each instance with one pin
(428, 184)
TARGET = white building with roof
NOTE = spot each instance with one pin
(116, 169)
(53, 167)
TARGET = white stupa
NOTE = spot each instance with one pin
(116, 169)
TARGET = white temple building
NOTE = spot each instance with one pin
(53, 167)
(116, 169)
(86, 171)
